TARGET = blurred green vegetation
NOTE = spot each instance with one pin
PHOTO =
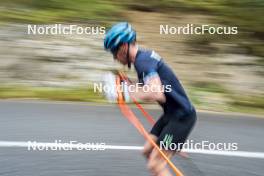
(50, 93)
(49, 11)
(246, 14)
(238, 103)
(226, 100)
(209, 87)
(248, 101)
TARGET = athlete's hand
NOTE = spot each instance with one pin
(125, 91)
(111, 88)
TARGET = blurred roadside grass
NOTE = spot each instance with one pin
(51, 93)
(240, 101)
(227, 101)
(236, 103)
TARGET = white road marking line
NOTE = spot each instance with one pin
(31, 144)
(245, 154)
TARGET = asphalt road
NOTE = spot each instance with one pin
(88, 123)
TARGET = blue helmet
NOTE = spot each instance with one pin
(118, 34)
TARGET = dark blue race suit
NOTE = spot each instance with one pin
(179, 115)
